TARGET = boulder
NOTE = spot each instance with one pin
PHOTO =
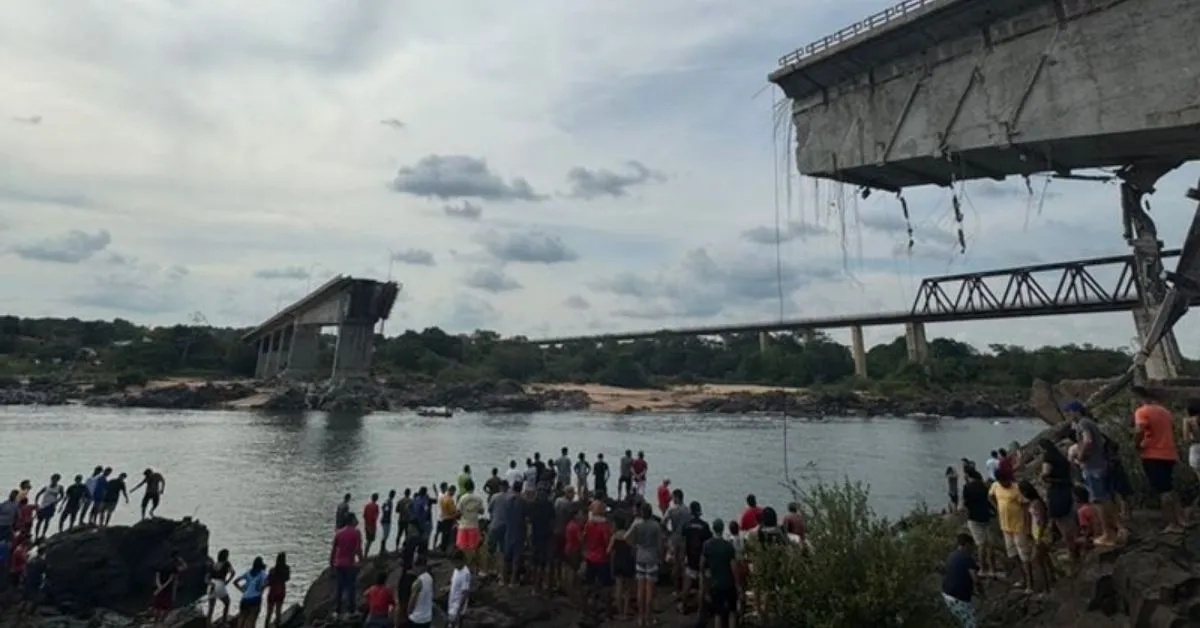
(176, 397)
(114, 567)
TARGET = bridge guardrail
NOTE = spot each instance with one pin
(857, 29)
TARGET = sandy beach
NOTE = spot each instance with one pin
(613, 399)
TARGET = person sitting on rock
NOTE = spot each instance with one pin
(165, 581)
(960, 581)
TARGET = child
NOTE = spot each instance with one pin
(952, 487)
(1085, 516)
(1039, 524)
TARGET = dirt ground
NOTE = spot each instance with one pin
(612, 399)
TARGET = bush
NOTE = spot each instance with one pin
(104, 387)
(131, 378)
(9, 381)
(860, 571)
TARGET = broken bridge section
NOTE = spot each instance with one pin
(289, 342)
(935, 92)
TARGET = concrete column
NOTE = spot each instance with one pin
(260, 365)
(764, 341)
(1165, 360)
(274, 350)
(914, 338)
(858, 350)
(352, 358)
(303, 354)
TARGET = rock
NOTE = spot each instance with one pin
(114, 567)
(288, 399)
(293, 617)
(176, 397)
(26, 396)
(856, 404)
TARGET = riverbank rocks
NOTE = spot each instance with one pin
(856, 404)
(176, 397)
(113, 568)
(24, 396)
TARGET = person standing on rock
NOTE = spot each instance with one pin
(155, 484)
(448, 518)
(717, 558)
(664, 497)
(90, 498)
(371, 521)
(646, 536)
(252, 584)
(1191, 436)
(420, 601)
(112, 496)
(385, 521)
(220, 574)
(600, 473)
(420, 516)
(1154, 437)
(9, 509)
(165, 582)
(515, 520)
(343, 513)
(461, 481)
(513, 475)
(498, 511)
(403, 517)
(640, 469)
(625, 477)
(470, 508)
(277, 580)
(563, 468)
(1060, 497)
(381, 601)
(344, 558)
(582, 470)
(979, 520)
(74, 501)
(492, 485)
(99, 495)
(460, 592)
(1096, 469)
(47, 500)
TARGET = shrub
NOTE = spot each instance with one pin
(104, 387)
(9, 381)
(860, 571)
(131, 378)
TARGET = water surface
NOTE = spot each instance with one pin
(269, 483)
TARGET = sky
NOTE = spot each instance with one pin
(544, 169)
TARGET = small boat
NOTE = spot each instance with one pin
(444, 413)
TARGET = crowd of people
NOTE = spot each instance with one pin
(554, 526)
(1017, 524)
(26, 520)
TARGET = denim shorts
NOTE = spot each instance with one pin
(1097, 483)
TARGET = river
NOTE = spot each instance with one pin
(269, 483)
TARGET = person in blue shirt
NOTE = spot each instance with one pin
(98, 492)
(252, 584)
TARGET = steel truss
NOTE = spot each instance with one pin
(1074, 287)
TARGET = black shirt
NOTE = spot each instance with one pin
(541, 469)
(116, 487)
(1060, 471)
(975, 501)
(957, 581)
(75, 493)
(695, 533)
(342, 514)
(600, 472)
(492, 486)
(385, 512)
(541, 518)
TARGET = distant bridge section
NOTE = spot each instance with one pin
(1056, 289)
(288, 342)
(936, 91)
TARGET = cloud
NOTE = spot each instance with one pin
(893, 223)
(447, 177)
(576, 302)
(791, 231)
(468, 313)
(491, 280)
(133, 287)
(414, 257)
(73, 247)
(531, 247)
(465, 211)
(284, 272)
(586, 183)
(393, 123)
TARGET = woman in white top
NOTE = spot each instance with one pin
(420, 602)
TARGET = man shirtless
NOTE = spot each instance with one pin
(154, 483)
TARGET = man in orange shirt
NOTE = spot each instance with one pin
(1155, 440)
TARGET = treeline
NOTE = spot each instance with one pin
(48, 346)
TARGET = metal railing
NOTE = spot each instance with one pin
(855, 30)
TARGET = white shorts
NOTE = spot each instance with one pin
(981, 533)
(640, 487)
(219, 590)
(1018, 546)
(1194, 456)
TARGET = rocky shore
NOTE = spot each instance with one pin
(500, 396)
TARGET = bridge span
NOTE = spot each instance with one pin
(1055, 289)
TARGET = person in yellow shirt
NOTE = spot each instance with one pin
(448, 508)
(1006, 497)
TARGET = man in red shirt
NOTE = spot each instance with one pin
(596, 535)
(380, 603)
(793, 522)
(344, 557)
(573, 546)
(370, 521)
(750, 515)
(639, 467)
(664, 496)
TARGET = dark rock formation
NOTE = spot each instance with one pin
(853, 404)
(484, 396)
(25, 396)
(114, 567)
(176, 397)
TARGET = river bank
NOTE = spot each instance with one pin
(506, 396)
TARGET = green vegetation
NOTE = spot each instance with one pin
(121, 353)
(860, 572)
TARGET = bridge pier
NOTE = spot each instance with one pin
(764, 341)
(302, 355)
(352, 354)
(1165, 360)
(858, 350)
(914, 339)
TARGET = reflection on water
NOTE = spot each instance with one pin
(270, 482)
